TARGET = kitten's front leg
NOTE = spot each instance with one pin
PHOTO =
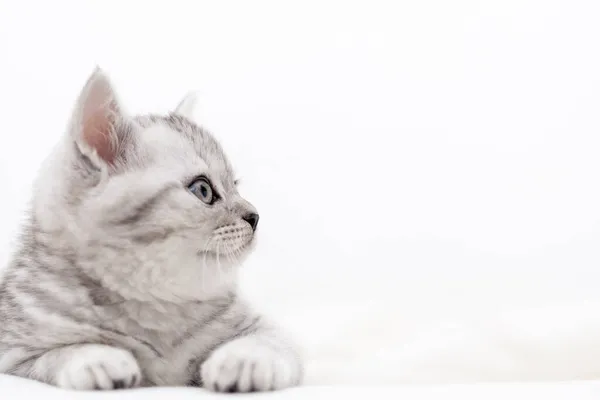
(88, 367)
(260, 361)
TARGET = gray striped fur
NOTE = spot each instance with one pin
(118, 261)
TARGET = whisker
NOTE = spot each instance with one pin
(238, 251)
(204, 266)
(230, 253)
(218, 258)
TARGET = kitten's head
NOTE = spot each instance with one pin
(147, 204)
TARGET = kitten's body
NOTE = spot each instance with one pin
(124, 277)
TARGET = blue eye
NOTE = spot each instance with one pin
(202, 189)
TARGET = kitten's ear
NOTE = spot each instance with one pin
(187, 105)
(99, 126)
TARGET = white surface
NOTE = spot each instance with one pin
(10, 386)
(414, 163)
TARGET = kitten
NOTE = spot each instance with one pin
(126, 271)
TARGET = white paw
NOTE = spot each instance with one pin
(244, 365)
(99, 367)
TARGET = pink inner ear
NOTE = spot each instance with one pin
(99, 112)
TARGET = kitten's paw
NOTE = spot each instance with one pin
(99, 367)
(247, 366)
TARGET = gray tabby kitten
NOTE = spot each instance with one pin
(126, 271)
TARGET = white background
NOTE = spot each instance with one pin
(416, 159)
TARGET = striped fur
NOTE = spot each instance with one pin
(124, 278)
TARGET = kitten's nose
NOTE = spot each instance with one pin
(252, 219)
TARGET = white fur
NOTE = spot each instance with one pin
(97, 366)
(250, 363)
(149, 264)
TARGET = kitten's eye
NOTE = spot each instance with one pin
(202, 189)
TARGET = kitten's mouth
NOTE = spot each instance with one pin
(229, 249)
(226, 253)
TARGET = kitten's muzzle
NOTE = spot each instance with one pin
(252, 219)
